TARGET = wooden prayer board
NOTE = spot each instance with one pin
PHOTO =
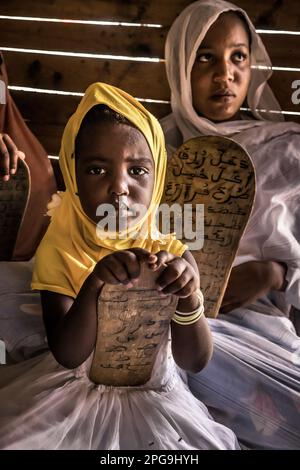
(14, 196)
(218, 173)
(131, 325)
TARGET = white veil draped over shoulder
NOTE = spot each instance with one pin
(183, 41)
(273, 231)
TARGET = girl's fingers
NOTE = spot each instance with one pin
(130, 263)
(163, 257)
(141, 254)
(108, 276)
(152, 259)
(117, 269)
(173, 271)
(152, 262)
(176, 285)
(186, 290)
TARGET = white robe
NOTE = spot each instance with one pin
(252, 383)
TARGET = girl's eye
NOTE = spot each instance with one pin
(96, 171)
(138, 171)
(204, 57)
(239, 56)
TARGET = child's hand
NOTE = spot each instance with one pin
(178, 277)
(121, 267)
(9, 155)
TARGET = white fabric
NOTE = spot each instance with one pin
(21, 322)
(50, 407)
(273, 231)
(252, 383)
(183, 41)
(274, 147)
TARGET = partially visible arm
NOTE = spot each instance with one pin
(251, 281)
(71, 325)
(192, 345)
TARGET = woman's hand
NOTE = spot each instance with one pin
(9, 155)
(251, 281)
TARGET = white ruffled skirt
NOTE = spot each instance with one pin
(46, 406)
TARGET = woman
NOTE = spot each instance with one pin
(253, 382)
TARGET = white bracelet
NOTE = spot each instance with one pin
(200, 306)
(188, 319)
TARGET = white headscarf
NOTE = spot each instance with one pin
(182, 44)
(273, 231)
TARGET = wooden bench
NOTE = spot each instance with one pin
(141, 70)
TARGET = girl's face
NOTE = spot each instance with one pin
(114, 165)
(221, 73)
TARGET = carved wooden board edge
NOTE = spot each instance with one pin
(14, 198)
(218, 173)
(132, 323)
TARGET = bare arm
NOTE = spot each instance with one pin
(251, 281)
(71, 325)
(191, 344)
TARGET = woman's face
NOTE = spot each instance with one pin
(221, 73)
(114, 165)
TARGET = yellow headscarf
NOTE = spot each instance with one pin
(70, 248)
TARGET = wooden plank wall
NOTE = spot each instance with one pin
(47, 113)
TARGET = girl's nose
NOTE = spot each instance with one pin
(224, 72)
(119, 193)
(119, 187)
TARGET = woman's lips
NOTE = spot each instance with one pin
(223, 96)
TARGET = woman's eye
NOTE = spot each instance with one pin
(138, 171)
(204, 57)
(239, 56)
(96, 171)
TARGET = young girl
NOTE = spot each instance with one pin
(112, 151)
(216, 64)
